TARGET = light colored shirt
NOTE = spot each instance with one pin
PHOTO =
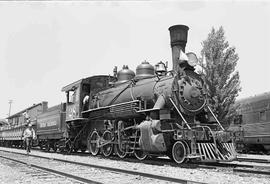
(29, 133)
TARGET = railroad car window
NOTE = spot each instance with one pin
(238, 119)
(17, 120)
(268, 115)
(263, 115)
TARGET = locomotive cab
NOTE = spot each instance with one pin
(74, 101)
(79, 93)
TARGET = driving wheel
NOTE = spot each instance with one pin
(108, 148)
(93, 143)
(139, 154)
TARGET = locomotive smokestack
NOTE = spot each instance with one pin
(178, 34)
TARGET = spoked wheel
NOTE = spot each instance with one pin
(139, 154)
(75, 150)
(187, 150)
(55, 147)
(47, 147)
(119, 152)
(21, 145)
(119, 148)
(93, 143)
(69, 148)
(179, 152)
(108, 148)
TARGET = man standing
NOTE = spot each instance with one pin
(28, 135)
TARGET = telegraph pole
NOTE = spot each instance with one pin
(10, 102)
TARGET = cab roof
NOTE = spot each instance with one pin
(88, 80)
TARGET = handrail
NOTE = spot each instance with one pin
(215, 118)
(109, 106)
(180, 113)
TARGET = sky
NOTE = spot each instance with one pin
(47, 45)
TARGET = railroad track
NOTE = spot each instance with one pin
(243, 168)
(224, 166)
(234, 167)
(37, 175)
(168, 161)
(242, 159)
(86, 173)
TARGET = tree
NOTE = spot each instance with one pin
(218, 70)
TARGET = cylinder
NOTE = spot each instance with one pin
(178, 35)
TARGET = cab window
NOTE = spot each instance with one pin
(72, 96)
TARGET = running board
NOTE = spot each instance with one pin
(222, 152)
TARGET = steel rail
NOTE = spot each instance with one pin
(136, 173)
(251, 171)
(243, 168)
(54, 171)
(241, 159)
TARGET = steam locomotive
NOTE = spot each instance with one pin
(151, 113)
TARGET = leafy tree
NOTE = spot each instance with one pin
(218, 70)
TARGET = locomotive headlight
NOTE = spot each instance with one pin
(192, 59)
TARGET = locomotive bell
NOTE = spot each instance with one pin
(145, 69)
(125, 74)
(160, 68)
